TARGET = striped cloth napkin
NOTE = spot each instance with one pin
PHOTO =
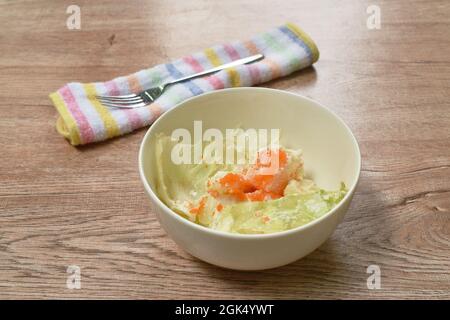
(83, 119)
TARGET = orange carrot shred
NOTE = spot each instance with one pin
(265, 219)
(257, 186)
(200, 207)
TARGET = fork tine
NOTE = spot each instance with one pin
(129, 100)
(125, 96)
(124, 106)
(121, 101)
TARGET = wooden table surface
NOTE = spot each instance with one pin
(61, 205)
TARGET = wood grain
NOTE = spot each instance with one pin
(61, 205)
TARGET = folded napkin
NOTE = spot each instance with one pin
(83, 119)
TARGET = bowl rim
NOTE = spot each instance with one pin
(225, 234)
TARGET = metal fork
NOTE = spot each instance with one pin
(146, 97)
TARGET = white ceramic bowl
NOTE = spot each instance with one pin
(331, 155)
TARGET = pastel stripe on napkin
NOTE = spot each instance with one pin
(83, 119)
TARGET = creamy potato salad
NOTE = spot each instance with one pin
(242, 198)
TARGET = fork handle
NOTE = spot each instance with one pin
(234, 63)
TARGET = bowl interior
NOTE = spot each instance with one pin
(330, 151)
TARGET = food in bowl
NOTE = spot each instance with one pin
(266, 193)
(330, 152)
